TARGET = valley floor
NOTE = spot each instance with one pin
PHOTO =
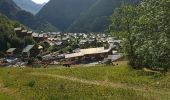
(99, 82)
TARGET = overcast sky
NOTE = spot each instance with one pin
(40, 1)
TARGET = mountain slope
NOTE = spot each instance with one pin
(29, 5)
(96, 19)
(12, 11)
(62, 13)
(6, 32)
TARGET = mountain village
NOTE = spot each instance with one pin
(88, 48)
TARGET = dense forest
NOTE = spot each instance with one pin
(145, 30)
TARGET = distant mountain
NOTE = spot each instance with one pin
(12, 11)
(80, 15)
(62, 13)
(29, 5)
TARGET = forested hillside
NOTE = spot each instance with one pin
(6, 32)
(12, 11)
(80, 15)
(62, 13)
(29, 5)
(96, 18)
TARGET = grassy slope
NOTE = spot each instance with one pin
(4, 96)
(135, 84)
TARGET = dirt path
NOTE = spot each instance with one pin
(105, 83)
(6, 90)
(10, 92)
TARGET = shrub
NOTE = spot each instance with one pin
(31, 83)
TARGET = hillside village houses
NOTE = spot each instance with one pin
(91, 47)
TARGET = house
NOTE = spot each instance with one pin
(11, 52)
(26, 53)
(35, 36)
(39, 37)
(29, 33)
(22, 33)
(18, 31)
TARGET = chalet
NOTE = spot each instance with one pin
(41, 37)
(26, 53)
(35, 36)
(29, 33)
(11, 52)
(18, 31)
(22, 33)
(45, 35)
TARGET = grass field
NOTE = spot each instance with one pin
(83, 83)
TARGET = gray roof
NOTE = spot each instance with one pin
(28, 48)
(88, 51)
(18, 29)
(11, 50)
(35, 34)
(29, 32)
(24, 31)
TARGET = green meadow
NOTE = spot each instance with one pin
(100, 82)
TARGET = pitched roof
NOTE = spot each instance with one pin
(11, 50)
(72, 55)
(24, 31)
(88, 51)
(28, 48)
(92, 50)
(29, 32)
(18, 29)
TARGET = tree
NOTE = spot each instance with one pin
(28, 40)
(145, 30)
(123, 21)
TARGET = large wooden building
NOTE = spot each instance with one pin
(89, 55)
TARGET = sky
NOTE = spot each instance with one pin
(40, 1)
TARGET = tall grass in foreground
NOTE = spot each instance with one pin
(38, 87)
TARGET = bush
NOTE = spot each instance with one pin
(31, 83)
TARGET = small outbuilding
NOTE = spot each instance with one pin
(11, 52)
